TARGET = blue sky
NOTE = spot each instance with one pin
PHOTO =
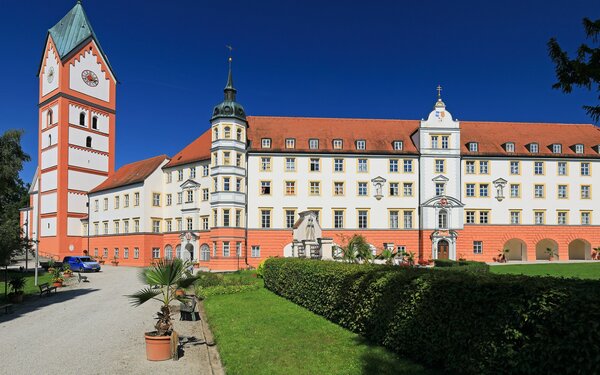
(374, 59)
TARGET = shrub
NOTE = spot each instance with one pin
(207, 279)
(462, 265)
(224, 289)
(260, 269)
(462, 322)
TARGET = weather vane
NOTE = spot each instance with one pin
(230, 48)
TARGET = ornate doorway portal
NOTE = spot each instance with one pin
(443, 250)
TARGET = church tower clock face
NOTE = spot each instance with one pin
(90, 78)
(50, 76)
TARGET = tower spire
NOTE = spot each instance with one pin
(439, 103)
(230, 91)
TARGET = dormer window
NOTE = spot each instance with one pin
(361, 144)
(579, 148)
(313, 144)
(266, 143)
(533, 148)
(473, 146)
(290, 143)
(337, 144)
(398, 146)
(509, 147)
(557, 148)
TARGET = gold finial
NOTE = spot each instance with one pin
(439, 90)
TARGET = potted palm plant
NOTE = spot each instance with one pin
(57, 279)
(67, 272)
(551, 253)
(17, 283)
(388, 256)
(163, 279)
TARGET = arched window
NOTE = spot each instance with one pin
(178, 251)
(168, 252)
(49, 139)
(204, 252)
(216, 134)
(49, 118)
(443, 219)
(95, 122)
(227, 132)
(82, 119)
(239, 134)
(88, 142)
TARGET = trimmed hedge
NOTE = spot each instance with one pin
(462, 322)
(462, 265)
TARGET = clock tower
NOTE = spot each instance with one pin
(76, 148)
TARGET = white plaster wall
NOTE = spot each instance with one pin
(49, 137)
(44, 117)
(51, 61)
(78, 137)
(102, 122)
(74, 226)
(48, 203)
(89, 62)
(88, 159)
(49, 158)
(84, 181)
(48, 226)
(130, 213)
(77, 203)
(75, 111)
(49, 180)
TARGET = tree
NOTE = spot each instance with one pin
(582, 71)
(13, 195)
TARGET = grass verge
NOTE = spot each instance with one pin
(30, 287)
(579, 270)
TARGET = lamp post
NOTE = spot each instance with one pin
(37, 260)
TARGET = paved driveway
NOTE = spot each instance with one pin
(89, 328)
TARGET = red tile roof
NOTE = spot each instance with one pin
(131, 173)
(492, 136)
(379, 134)
(195, 151)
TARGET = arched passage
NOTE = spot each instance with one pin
(541, 249)
(580, 250)
(189, 254)
(517, 249)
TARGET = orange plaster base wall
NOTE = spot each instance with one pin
(145, 242)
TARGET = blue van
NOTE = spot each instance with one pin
(81, 263)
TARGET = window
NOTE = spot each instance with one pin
(180, 175)
(398, 145)
(105, 204)
(155, 252)
(192, 172)
(393, 165)
(265, 218)
(168, 177)
(290, 143)
(216, 133)
(470, 190)
(169, 223)
(533, 148)
(136, 199)
(361, 144)
(338, 219)
(290, 164)
(255, 253)
(337, 144)
(214, 248)
(363, 218)
(95, 122)
(470, 167)
(445, 141)
(215, 219)
(315, 164)
(315, 188)
(439, 188)
(477, 247)
(49, 119)
(579, 148)
(440, 166)
(96, 204)
(443, 219)
(484, 167)
(205, 170)
(238, 160)
(265, 164)
(156, 199)
(338, 165)
(556, 148)
(105, 252)
(585, 218)
(156, 226)
(82, 119)
(515, 167)
(266, 143)
(290, 188)
(470, 217)
(539, 217)
(538, 191)
(290, 218)
(585, 192)
(408, 166)
(265, 187)
(125, 253)
(561, 217)
(393, 219)
(204, 222)
(585, 169)
(408, 219)
(538, 168)
(226, 248)
(169, 199)
(510, 147)
(238, 184)
(136, 225)
(180, 197)
(362, 165)
(117, 227)
(484, 217)
(227, 132)
(483, 190)
(117, 202)
(238, 218)
(313, 144)
(126, 202)
(515, 217)
(562, 192)
(226, 158)
(362, 189)
(515, 190)
(434, 141)
(226, 217)
(88, 142)
(226, 183)
(190, 196)
(408, 189)
(239, 134)
(562, 168)
(136, 252)
(473, 146)
(338, 188)
(394, 189)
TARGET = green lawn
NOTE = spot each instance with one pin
(580, 270)
(30, 288)
(258, 332)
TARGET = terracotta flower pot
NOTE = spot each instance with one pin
(158, 348)
(15, 297)
(67, 275)
(57, 284)
(180, 292)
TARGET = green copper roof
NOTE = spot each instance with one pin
(229, 107)
(73, 30)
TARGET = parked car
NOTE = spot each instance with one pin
(81, 263)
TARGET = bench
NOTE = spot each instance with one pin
(6, 307)
(46, 288)
(82, 278)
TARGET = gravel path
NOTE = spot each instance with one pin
(90, 328)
